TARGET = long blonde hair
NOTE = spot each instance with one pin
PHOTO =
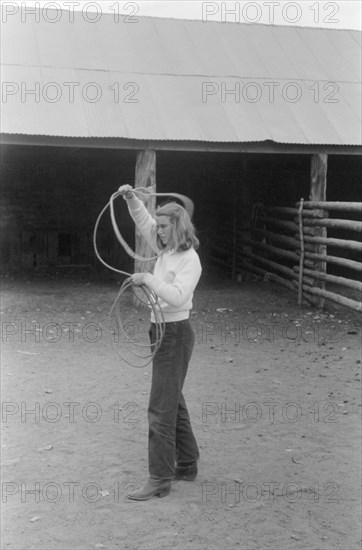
(183, 230)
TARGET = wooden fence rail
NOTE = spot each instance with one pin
(290, 245)
(341, 206)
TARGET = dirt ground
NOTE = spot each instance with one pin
(274, 397)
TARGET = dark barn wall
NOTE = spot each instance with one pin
(224, 187)
(344, 178)
(51, 198)
(226, 183)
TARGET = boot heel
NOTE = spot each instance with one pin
(164, 492)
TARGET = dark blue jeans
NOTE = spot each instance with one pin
(170, 434)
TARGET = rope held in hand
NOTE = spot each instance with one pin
(151, 298)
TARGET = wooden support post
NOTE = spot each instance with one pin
(233, 268)
(301, 252)
(244, 195)
(145, 176)
(318, 192)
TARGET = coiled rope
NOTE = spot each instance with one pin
(131, 343)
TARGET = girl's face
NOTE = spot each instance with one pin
(164, 229)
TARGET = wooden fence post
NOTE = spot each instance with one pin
(318, 192)
(301, 253)
(145, 176)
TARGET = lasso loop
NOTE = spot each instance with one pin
(151, 298)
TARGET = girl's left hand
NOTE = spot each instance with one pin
(138, 279)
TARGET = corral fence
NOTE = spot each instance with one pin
(305, 248)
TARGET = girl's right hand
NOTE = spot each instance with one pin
(126, 191)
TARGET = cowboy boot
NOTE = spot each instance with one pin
(152, 488)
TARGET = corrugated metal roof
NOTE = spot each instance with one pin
(285, 84)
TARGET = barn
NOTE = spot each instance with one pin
(239, 117)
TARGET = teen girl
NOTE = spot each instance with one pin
(172, 449)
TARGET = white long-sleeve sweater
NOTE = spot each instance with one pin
(176, 273)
